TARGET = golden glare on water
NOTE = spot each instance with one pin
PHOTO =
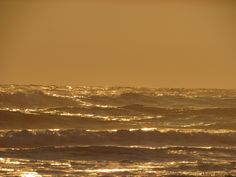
(148, 129)
(30, 174)
(109, 170)
(61, 164)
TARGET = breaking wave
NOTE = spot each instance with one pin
(34, 138)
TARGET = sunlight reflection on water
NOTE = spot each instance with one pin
(39, 168)
(30, 174)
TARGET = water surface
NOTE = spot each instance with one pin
(116, 131)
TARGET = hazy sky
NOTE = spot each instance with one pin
(150, 43)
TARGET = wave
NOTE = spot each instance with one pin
(227, 112)
(19, 120)
(166, 101)
(134, 109)
(34, 138)
(96, 110)
(208, 115)
(161, 110)
(33, 98)
(125, 154)
(140, 110)
(117, 118)
(39, 96)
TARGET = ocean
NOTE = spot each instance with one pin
(116, 131)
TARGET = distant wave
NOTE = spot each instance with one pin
(139, 109)
(133, 109)
(184, 111)
(168, 101)
(96, 110)
(39, 98)
(33, 98)
(132, 116)
(123, 154)
(19, 120)
(34, 138)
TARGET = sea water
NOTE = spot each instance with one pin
(116, 131)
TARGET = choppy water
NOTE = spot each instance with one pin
(98, 131)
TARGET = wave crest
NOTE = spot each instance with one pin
(27, 138)
(33, 98)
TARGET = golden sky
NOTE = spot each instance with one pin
(147, 43)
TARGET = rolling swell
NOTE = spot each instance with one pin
(163, 99)
(174, 101)
(34, 138)
(114, 111)
(138, 109)
(123, 153)
(35, 98)
(131, 116)
(19, 120)
(183, 111)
